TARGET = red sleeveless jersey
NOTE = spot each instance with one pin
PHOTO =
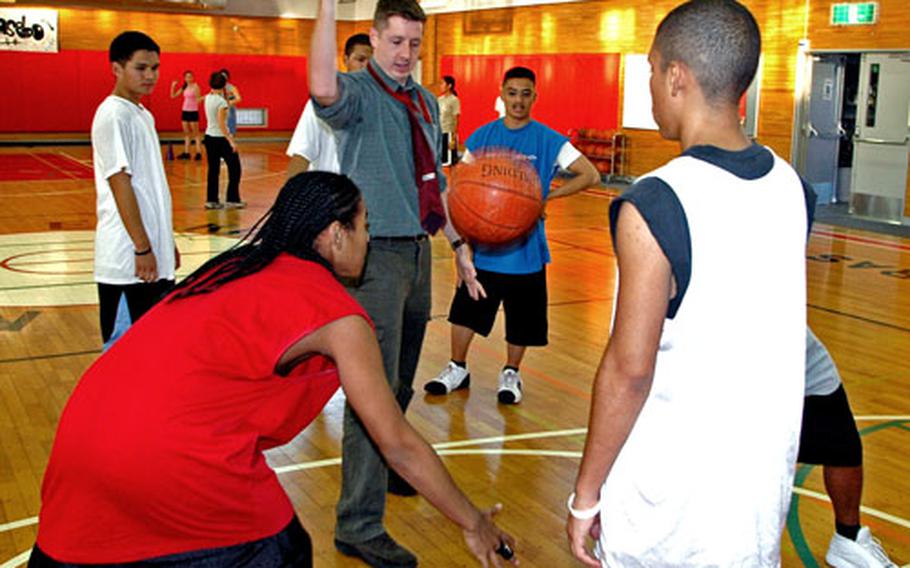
(159, 449)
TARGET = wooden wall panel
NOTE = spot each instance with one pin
(627, 26)
(891, 31)
(93, 29)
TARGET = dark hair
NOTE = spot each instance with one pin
(407, 9)
(217, 80)
(450, 81)
(226, 73)
(126, 44)
(354, 41)
(307, 204)
(519, 73)
(718, 40)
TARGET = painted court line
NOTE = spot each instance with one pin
(866, 510)
(449, 449)
(18, 560)
(869, 241)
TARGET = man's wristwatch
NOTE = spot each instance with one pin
(457, 243)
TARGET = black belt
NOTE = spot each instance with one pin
(405, 239)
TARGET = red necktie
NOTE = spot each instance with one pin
(432, 213)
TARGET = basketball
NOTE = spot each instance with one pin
(495, 199)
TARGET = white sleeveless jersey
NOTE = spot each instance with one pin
(706, 475)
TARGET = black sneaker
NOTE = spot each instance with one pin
(380, 552)
(399, 486)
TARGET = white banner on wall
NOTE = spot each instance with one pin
(636, 99)
(28, 29)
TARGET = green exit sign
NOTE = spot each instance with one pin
(857, 13)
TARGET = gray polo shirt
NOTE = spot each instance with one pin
(375, 149)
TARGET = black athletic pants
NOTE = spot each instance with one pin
(139, 299)
(216, 149)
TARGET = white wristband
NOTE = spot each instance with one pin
(582, 514)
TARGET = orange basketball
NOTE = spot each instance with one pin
(494, 199)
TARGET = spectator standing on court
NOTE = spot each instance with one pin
(220, 144)
(189, 113)
(313, 145)
(232, 96)
(449, 113)
(135, 254)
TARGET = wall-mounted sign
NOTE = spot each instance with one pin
(28, 29)
(854, 13)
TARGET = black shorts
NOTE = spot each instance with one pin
(829, 435)
(189, 116)
(524, 298)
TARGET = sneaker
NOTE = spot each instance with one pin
(198, 157)
(399, 485)
(183, 156)
(213, 205)
(379, 552)
(235, 204)
(509, 387)
(865, 552)
(451, 378)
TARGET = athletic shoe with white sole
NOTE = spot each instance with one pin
(865, 552)
(509, 387)
(451, 378)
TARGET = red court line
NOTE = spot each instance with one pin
(861, 240)
(42, 166)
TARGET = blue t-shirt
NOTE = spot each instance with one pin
(540, 145)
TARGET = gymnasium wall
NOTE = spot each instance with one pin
(618, 27)
(594, 106)
(59, 92)
(890, 32)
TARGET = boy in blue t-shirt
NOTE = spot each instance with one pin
(514, 275)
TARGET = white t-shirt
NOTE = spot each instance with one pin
(449, 109)
(124, 139)
(315, 140)
(213, 102)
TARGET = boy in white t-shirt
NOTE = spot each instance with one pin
(313, 145)
(135, 254)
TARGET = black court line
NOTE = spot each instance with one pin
(860, 318)
(51, 356)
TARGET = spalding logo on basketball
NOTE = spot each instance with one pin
(495, 199)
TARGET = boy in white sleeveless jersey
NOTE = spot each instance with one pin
(696, 409)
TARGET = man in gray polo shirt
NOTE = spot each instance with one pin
(388, 132)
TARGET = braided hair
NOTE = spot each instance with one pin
(308, 203)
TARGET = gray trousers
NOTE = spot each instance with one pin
(395, 292)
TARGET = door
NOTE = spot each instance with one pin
(823, 130)
(879, 177)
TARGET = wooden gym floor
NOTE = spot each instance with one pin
(524, 456)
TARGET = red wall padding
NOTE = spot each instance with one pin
(574, 90)
(58, 92)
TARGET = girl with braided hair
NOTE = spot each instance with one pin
(158, 456)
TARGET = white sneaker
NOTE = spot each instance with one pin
(509, 387)
(865, 552)
(451, 378)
